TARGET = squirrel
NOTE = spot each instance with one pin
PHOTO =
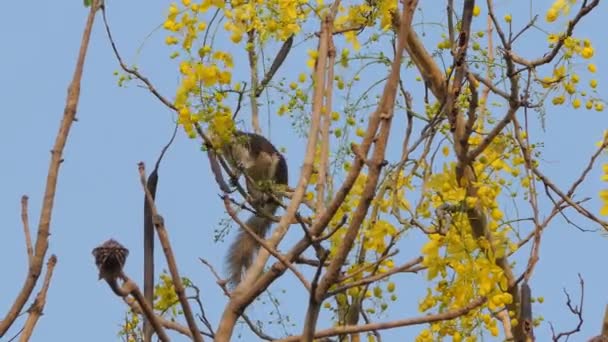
(259, 159)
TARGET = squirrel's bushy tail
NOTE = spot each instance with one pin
(241, 252)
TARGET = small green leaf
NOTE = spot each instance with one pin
(87, 3)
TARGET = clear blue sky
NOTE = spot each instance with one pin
(99, 195)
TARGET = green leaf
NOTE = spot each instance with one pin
(87, 3)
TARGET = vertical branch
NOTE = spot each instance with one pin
(383, 115)
(172, 264)
(35, 311)
(152, 184)
(486, 91)
(253, 66)
(149, 251)
(326, 117)
(26, 229)
(42, 242)
(525, 313)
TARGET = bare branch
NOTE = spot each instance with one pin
(253, 68)
(35, 311)
(576, 310)
(26, 229)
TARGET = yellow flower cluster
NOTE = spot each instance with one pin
(559, 7)
(462, 266)
(364, 15)
(131, 328)
(198, 80)
(205, 72)
(278, 19)
(568, 83)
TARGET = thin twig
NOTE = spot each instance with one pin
(576, 310)
(132, 71)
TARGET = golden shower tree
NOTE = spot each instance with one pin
(418, 149)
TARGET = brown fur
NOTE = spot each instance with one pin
(261, 161)
(243, 248)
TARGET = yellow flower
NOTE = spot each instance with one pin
(570, 89)
(508, 18)
(599, 106)
(171, 40)
(445, 150)
(593, 83)
(497, 214)
(225, 77)
(476, 10)
(558, 100)
(604, 198)
(576, 103)
(169, 25)
(591, 67)
(575, 78)
(236, 37)
(587, 52)
(553, 38)
(173, 9)
(312, 54)
(552, 15)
